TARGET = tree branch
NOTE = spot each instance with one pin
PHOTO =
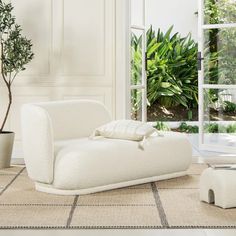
(8, 108)
(2, 69)
(15, 52)
(11, 81)
(9, 91)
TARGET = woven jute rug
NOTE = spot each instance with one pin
(165, 204)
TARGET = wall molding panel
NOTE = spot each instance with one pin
(74, 46)
(40, 30)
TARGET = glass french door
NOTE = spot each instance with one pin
(137, 104)
(217, 75)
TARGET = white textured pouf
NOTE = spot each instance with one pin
(218, 186)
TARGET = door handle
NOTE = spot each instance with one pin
(199, 61)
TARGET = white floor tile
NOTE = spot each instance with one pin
(223, 232)
(195, 153)
(207, 155)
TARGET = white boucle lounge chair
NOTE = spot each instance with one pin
(61, 159)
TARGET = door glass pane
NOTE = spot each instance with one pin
(137, 12)
(219, 11)
(220, 56)
(136, 104)
(136, 56)
(220, 117)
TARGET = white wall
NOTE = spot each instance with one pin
(74, 46)
(180, 13)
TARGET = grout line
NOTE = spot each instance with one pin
(15, 177)
(79, 205)
(72, 211)
(159, 206)
(7, 174)
(137, 188)
(117, 205)
(33, 205)
(179, 188)
(189, 227)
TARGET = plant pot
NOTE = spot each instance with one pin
(6, 146)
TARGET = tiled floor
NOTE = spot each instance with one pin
(120, 232)
(201, 156)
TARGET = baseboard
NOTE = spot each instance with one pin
(17, 161)
(224, 159)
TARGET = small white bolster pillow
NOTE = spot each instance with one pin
(125, 129)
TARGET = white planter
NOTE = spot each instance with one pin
(6, 145)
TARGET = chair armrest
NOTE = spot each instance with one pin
(37, 137)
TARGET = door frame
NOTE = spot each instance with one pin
(201, 85)
(143, 85)
(122, 81)
(122, 97)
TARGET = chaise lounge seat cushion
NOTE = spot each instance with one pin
(86, 163)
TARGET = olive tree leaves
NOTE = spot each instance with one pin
(16, 51)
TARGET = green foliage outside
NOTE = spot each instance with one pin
(220, 46)
(162, 126)
(184, 127)
(217, 128)
(208, 128)
(229, 107)
(171, 68)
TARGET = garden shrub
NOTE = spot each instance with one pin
(171, 69)
(220, 53)
(172, 77)
(162, 126)
(208, 128)
(229, 107)
(184, 127)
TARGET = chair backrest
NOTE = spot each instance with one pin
(44, 123)
(76, 118)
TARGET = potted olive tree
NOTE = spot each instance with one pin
(16, 52)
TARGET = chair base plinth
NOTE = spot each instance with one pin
(52, 190)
